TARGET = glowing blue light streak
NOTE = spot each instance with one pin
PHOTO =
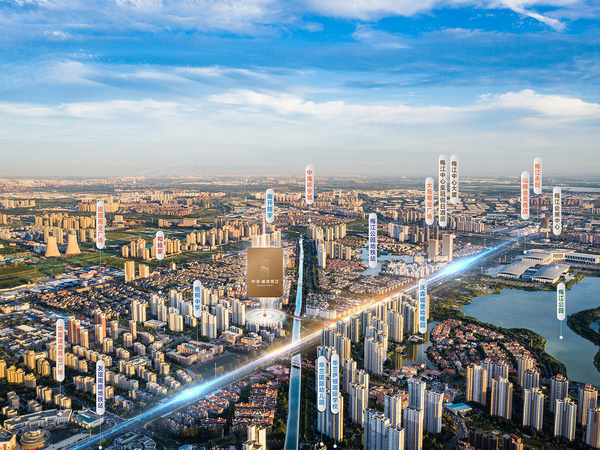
(206, 387)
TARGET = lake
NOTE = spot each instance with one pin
(536, 311)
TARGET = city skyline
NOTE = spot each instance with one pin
(151, 88)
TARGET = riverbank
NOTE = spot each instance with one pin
(580, 323)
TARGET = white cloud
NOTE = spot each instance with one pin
(378, 39)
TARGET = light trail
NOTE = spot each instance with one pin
(205, 388)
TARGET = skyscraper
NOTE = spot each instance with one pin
(374, 435)
(395, 326)
(433, 411)
(592, 431)
(476, 384)
(359, 400)
(533, 408)
(524, 363)
(531, 378)
(588, 399)
(413, 428)
(502, 395)
(129, 271)
(416, 394)
(374, 356)
(559, 389)
(447, 246)
(565, 418)
(433, 249)
(392, 409)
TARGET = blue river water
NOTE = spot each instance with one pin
(536, 311)
(293, 421)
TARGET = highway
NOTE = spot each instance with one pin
(205, 388)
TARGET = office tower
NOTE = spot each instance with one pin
(129, 271)
(359, 400)
(433, 249)
(72, 246)
(395, 323)
(476, 384)
(52, 248)
(447, 246)
(502, 395)
(434, 402)
(592, 431)
(533, 408)
(524, 363)
(559, 389)
(392, 409)
(531, 378)
(565, 418)
(413, 428)
(239, 313)
(416, 394)
(588, 399)
(374, 356)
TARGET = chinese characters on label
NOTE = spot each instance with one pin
(100, 387)
(197, 298)
(560, 301)
(160, 245)
(556, 211)
(269, 206)
(321, 380)
(372, 240)
(454, 179)
(429, 201)
(442, 194)
(309, 180)
(335, 383)
(60, 350)
(537, 176)
(422, 292)
(525, 195)
(100, 225)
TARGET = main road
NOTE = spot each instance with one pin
(202, 389)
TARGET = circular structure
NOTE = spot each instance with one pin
(34, 439)
(266, 317)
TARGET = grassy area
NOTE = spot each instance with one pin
(580, 322)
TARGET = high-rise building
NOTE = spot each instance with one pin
(416, 394)
(133, 329)
(84, 339)
(395, 438)
(559, 389)
(502, 395)
(433, 248)
(328, 423)
(447, 246)
(359, 400)
(495, 369)
(476, 384)
(533, 408)
(592, 431)
(222, 317)
(374, 356)
(413, 428)
(374, 433)
(257, 438)
(524, 363)
(348, 374)
(434, 402)
(395, 323)
(239, 313)
(565, 418)
(531, 378)
(588, 399)
(129, 271)
(392, 409)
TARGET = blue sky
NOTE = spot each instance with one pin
(355, 87)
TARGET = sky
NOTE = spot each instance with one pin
(354, 87)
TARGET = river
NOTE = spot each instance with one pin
(536, 311)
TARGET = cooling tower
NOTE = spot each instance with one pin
(52, 248)
(72, 246)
